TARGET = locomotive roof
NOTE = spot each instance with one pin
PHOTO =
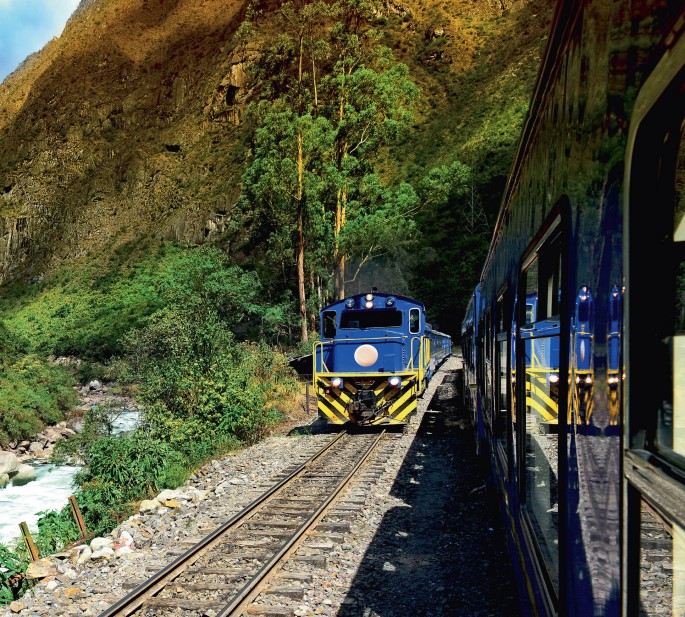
(376, 294)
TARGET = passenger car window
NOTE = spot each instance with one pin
(538, 384)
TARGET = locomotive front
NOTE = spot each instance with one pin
(372, 360)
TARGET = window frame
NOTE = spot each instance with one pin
(553, 232)
(649, 473)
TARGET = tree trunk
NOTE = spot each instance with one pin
(300, 211)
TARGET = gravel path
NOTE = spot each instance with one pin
(424, 543)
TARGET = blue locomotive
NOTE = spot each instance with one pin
(574, 338)
(375, 357)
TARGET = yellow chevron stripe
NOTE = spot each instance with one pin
(333, 418)
(540, 409)
(545, 397)
(409, 409)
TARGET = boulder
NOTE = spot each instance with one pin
(8, 462)
(105, 552)
(4, 480)
(126, 539)
(123, 550)
(76, 424)
(35, 446)
(148, 505)
(41, 569)
(23, 475)
(95, 385)
(97, 543)
(16, 606)
(84, 555)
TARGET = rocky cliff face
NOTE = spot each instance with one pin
(129, 124)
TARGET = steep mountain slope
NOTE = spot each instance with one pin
(130, 124)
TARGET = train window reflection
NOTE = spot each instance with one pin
(540, 340)
(662, 565)
(670, 433)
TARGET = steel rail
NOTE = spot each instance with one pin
(254, 586)
(137, 597)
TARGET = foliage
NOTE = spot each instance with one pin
(55, 530)
(84, 309)
(311, 183)
(97, 423)
(32, 394)
(12, 563)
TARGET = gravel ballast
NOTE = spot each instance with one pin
(426, 540)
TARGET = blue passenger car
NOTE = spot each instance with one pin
(375, 356)
(574, 339)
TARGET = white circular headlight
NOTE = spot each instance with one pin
(369, 296)
(365, 355)
(336, 382)
(369, 304)
(394, 381)
(553, 378)
(588, 379)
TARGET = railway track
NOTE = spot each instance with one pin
(228, 570)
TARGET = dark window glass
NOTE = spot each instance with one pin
(538, 395)
(584, 311)
(414, 321)
(670, 430)
(329, 327)
(371, 318)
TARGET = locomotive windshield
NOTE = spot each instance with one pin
(352, 320)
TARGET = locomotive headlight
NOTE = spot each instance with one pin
(369, 304)
(337, 382)
(365, 355)
(577, 379)
(390, 301)
(588, 380)
(349, 303)
(553, 378)
(395, 381)
(369, 296)
(613, 380)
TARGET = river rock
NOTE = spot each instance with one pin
(106, 552)
(85, 555)
(16, 607)
(35, 446)
(24, 475)
(76, 424)
(95, 385)
(4, 480)
(148, 505)
(41, 569)
(8, 462)
(126, 539)
(98, 543)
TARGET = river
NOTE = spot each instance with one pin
(49, 491)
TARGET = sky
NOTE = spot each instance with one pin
(27, 25)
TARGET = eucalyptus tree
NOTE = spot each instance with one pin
(330, 98)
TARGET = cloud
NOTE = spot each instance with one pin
(27, 25)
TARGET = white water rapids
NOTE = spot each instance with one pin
(50, 490)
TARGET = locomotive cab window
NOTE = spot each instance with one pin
(538, 382)
(360, 320)
(414, 321)
(329, 327)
